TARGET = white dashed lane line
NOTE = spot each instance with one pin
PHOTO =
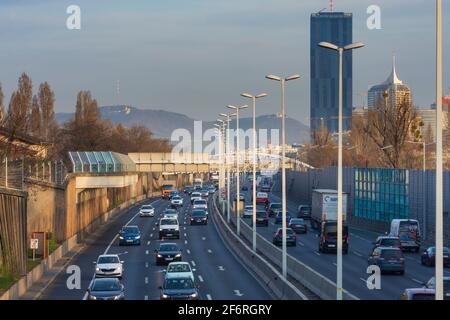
(146, 280)
(193, 263)
(357, 253)
(146, 251)
(208, 296)
(200, 278)
(188, 251)
(209, 251)
(317, 253)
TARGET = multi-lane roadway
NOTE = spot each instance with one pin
(216, 270)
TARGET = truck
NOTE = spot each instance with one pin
(324, 206)
(408, 231)
(198, 183)
(166, 188)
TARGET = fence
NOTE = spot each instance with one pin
(13, 172)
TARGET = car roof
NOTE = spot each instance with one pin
(420, 290)
(178, 262)
(390, 248)
(388, 237)
(108, 255)
(106, 280)
(168, 243)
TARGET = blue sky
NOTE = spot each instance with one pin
(195, 56)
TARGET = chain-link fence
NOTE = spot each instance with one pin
(13, 172)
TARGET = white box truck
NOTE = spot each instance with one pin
(324, 205)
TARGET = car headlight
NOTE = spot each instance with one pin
(194, 295)
(97, 269)
(121, 238)
(178, 255)
(92, 298)
(118, 297)
(165, 296)
(137, 237)
(159, 256)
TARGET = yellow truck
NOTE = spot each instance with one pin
(167, 188)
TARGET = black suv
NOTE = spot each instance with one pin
(179, 289)
(328, 237)
(167, 252)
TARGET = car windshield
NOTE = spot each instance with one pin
(131, 230)
(176, 198)
(106, 285)
(248, 208)
(179, 268)
(168, 247)
(195, 194)
(165, 222)
(275, 205)
(331, 230)
(390, 242)
(147, 207)
(178, 284)
(111, 259)
(261, 214)
(305, 209)
(197, 202)
(170, 211)
(198, 213)
(297, 221)
(391, 254)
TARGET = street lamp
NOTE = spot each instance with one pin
(221, 157)
(439, 271)
(283, 167)
(227, 121)
(340, 50)
(238, 201)
(253, 97)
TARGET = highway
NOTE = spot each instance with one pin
(217, 272)
(354, 264)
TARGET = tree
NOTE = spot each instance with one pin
(19, 106)
(389, 127)
(46, 105)
(35, 119)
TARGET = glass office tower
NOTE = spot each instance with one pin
(336, 28)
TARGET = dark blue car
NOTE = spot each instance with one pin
(129, 235)
(279, 217)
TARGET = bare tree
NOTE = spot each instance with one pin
(46, 104)
(35, 123)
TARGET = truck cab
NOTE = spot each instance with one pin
(328, 237)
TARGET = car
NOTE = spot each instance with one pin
(188, 189)
(167, 252)
(212, 189)
(199, 216)
(200, 204)
(328, 237)
(418, 294)
(429, 255)
(304, 211)
(431, 284)
(179, 269)
(388, 259)
(265, 187)
(298, 225)
(170, 213)
(108, 265)
(387, 241)
(195, 196)
(279, 217)
(129, 235)
(204, 193)
(173, 193)
(244, 188)
(147, 210)
(248, 212)
(274, 208)
(179, 289)
(291, 237)
(262, 219)
(169, 228)
(176, 201)
(408, 231)
(106, 289)
(262, 197)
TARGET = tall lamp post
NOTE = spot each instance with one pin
(238, 158)
(439, 271)
(340, 50)
(283, 168)
(254, 146)
(227, 121)
(221, 128)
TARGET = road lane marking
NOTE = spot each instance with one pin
(146, 298)
(154, 228)
(363, 280)
(200, 278)
(301, 243)
(151, 235)
(317, 253)
(146, 251)
(188, 251)
(357, 253)
(209, 251)
(334, 263)
(146, 264)
(146, 280)
(417, 281)
(148, 243)
(193, 263)
(208, 296)
(221, 268)
(203, 238)
(185, 241)
(184, 228)
(238, 293)
(185, 234)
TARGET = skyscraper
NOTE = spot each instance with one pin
(336, 28)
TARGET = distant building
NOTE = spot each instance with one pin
(360, 112)
(397, 91)
(21, 145)
(336, 28)
(428, 116)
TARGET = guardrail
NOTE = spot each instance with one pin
(305, 275)
(280, 287)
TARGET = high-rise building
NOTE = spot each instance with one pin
(336, 28)
(398, 92)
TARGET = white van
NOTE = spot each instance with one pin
(408, 231)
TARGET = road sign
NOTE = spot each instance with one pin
(34, 244)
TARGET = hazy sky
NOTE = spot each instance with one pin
(196, 56)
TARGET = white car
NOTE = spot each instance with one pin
(169, 228)
(179, 270)
(195, 196)
(147, 211)
(200, 204)
(108, 265)
(176, 201)
(170, 213)
(248, 212)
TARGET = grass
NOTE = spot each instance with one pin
(7, 281)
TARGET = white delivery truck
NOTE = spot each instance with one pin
(408, 231)
(324, 206)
